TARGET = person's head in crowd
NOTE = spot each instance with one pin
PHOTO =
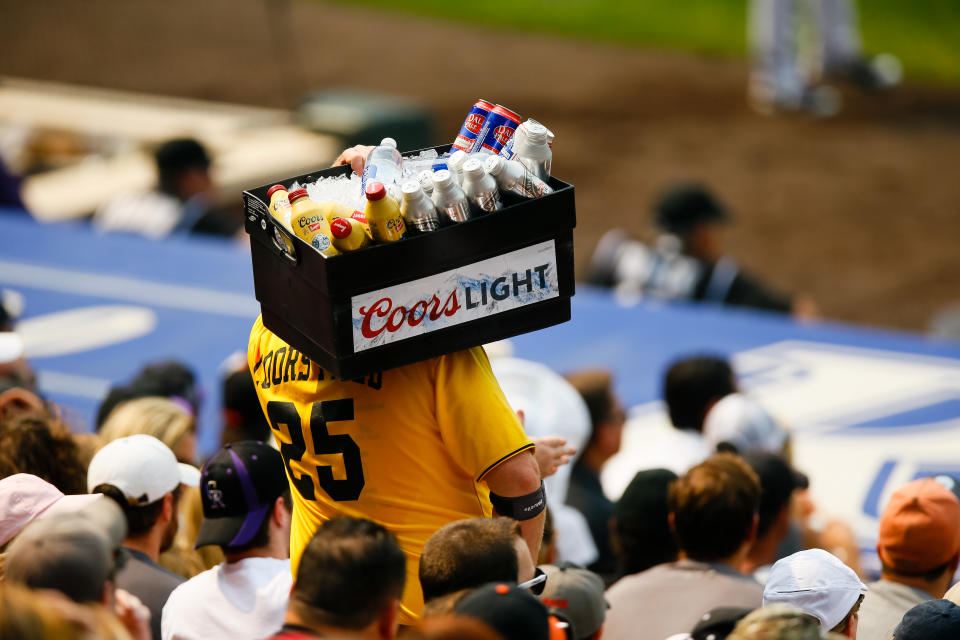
(15, 371)
(778, 622)
(819, 584)
(576, 594)
(453, 627)
(740, 422)
(38, 443)
(607, 416)
(713, 510)
(716, 624)
(930, 620)
(513, 612)
(350, 579)
(469, 553)
(919, 538)
(167, 379)
(689, 212)
(143, 477)
(692, 386)
(166, 420)
(243, 417)
(32, 614)
(25, 497)
(641, 527)
(778, 481)
(183, 168)
(76, 553)
(246, 502)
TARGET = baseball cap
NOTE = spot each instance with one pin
(816, 582)
(577, 595)
(684, 206)
(930, 620)
(25, 497)
(920, 527)
(241, 483)
(513, 613)
(74, 553)
(738, 420)
(718, 623)
(141, 467)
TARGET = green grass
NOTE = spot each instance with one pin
(924, 34)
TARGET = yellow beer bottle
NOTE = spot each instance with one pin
(383, 214)
(348, 234)
(309, 224)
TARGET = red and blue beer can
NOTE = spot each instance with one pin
(472, 126)
(497, 130)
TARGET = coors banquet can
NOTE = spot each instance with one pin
(476, 117)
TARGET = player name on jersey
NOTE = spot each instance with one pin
(509, 281)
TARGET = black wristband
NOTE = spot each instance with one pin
(520, 507)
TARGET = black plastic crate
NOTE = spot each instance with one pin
(492, 277)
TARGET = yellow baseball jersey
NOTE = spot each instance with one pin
(407, 448)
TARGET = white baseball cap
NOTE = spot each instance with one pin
(140, 466)
(742, 422)
(817, 583)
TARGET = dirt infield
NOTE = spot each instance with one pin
(862, 211)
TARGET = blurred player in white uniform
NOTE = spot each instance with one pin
(798, 44)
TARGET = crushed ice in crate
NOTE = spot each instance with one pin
(343, 189)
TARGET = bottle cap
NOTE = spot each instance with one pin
(296, 194)
(536, 133)
(443, 178)
(340, 228)
(376, 191)
(388, 142)
(457, 159)
(473, 168)
(493, 165)
(275, 188)
(426, 174)
(410, 187)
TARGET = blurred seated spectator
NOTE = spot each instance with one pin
(452, 627)
(77, 554)
(712, 510)
(166, 378)
(817, 583)
(642, 535)
(607, 418)
(919, 549)
(349, 583)
(10, 190)
(15, 371)
(557, 420)
(246, 512)
(778, 482)
(716, 624)
(25, 497)
(243, 417)
(164, 419)
(182, 201)
(930, 620)
(468, 553)
(143, 476)
(779, 622)
(513, 612)
(740, 422)
(688, 261)
(32, 614)
(37, 443)
(576, 595)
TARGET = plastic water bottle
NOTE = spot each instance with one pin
(384, 164)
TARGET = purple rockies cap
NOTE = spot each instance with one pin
(238, 487)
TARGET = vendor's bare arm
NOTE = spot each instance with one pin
(355, 156)
(520, 476)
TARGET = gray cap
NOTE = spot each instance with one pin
(74, 553)
(577, 595)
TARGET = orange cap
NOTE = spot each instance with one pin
(920, 528)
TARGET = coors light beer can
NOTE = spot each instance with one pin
(497, 130)
(476, 117)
